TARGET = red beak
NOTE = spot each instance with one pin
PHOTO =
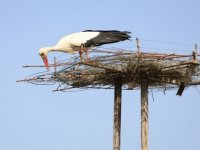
(45, 59)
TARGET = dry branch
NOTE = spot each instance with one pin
(106, 66)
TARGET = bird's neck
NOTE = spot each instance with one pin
(49, 49)
(59, 49)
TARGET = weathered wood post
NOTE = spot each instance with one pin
(144, 113)
(195, 53)
(117, 116)
(138, 45)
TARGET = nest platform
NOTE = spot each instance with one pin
(107, 67)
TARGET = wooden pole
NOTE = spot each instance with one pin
(55, 64)
(144, 113)
(195, 54)
(138, 45)
(195, 48)
(117, 116)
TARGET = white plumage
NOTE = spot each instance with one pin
(76, 39)
(81, 41)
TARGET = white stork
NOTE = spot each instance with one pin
(84, 40)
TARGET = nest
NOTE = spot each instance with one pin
(108, 67)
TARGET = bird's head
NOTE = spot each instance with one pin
(43, 53)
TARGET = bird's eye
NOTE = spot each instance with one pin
(42, 54)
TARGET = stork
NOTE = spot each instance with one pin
(82, 41)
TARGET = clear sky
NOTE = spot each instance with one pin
(35, 118)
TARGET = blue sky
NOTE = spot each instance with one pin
(35, 118)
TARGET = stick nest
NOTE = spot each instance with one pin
(107, 67)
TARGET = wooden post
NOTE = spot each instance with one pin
(138, 45)
(55, 64)
(144, 113)
(117, 116)
(195, 48)
(195, 54)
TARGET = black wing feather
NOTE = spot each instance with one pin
(107, 36)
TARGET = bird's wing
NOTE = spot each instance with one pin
(106, 37)
(77, 39)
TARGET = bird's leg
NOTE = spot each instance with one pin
(87, 54)
(80, 53)
(84, 49)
